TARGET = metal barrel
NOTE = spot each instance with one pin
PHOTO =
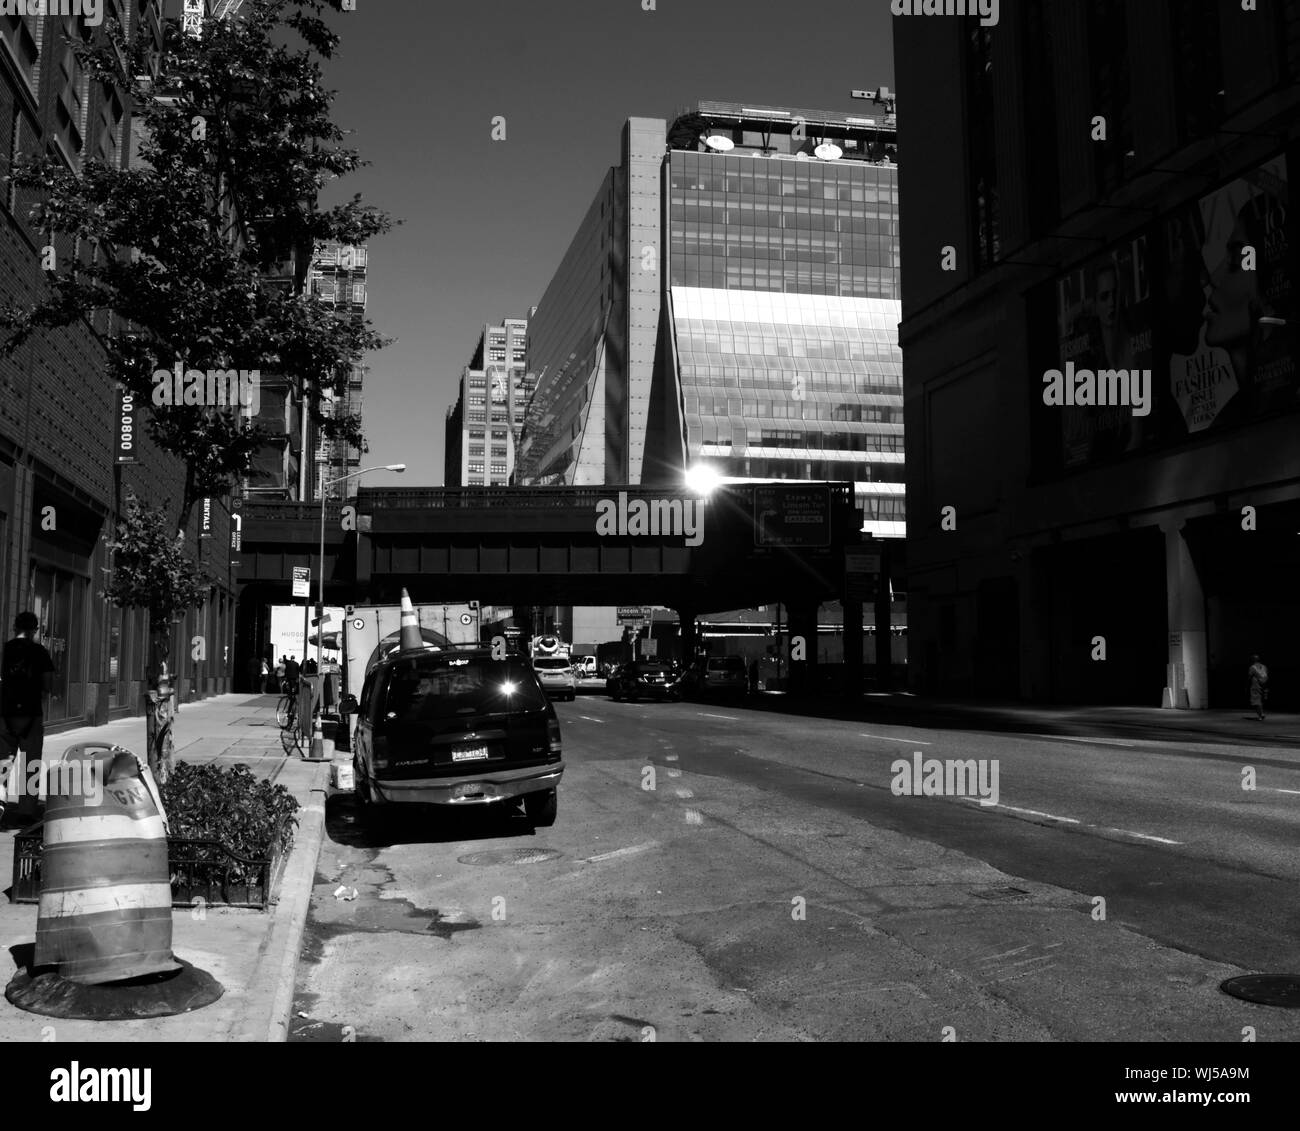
(106, 904)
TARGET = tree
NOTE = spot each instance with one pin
(151, 571)
(187, 247)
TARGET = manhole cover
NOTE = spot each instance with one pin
(1266, 989)
(511, 856)
(1002, 894)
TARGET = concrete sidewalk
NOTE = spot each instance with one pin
(253, 954)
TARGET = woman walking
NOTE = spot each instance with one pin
(1258, 686)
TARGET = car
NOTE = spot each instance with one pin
(456, 727)
(644, 679)
(556, 674)
(717, 675)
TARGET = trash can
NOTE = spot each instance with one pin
(106, 905)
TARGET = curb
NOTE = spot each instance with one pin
(274, 979)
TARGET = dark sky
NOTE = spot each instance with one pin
(485, 223)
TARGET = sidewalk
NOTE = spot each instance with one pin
(253, 954)
(1237, 726)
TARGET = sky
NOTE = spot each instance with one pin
(486, 223)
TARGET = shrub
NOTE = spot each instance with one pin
(229, 804)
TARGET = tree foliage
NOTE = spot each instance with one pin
(150, 568)
(187, 247)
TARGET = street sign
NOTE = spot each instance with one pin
(629, 613)
(792, 516)
(125, 427)
(301, 581)
(205, 521)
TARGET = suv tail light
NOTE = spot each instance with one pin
(379, 753)
(553, 735)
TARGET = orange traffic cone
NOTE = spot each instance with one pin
(410, 627)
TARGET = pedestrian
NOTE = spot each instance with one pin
(265, 677)
(26, 677)
(291, 673)
(1258, 686)
(309, 666)
(279, 674)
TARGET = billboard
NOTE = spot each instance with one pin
(1203, 298)
(1103, 321)
(1226, 366)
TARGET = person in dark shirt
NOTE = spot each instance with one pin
(291, 673)
(309, 667)
(26, 677)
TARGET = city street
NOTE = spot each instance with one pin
(772, 887)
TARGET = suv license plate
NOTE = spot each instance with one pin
(469, 754)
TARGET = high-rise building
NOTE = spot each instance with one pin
(1099, 333)
(484, 426)
(731, 298)
(338, 278)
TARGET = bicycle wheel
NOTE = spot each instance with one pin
(286, 714)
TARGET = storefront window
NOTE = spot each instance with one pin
(116, 674)
(58, 602)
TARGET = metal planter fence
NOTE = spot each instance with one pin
(201, 870)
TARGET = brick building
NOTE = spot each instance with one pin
(61, 490)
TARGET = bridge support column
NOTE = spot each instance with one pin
(687, 634)
(884, 635)
(803, 626)
(852, 649)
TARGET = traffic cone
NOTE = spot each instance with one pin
(410, 627)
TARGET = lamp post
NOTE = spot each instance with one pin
(320, 561)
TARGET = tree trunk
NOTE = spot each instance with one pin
(159, 707)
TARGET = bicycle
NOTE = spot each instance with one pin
(286, 710)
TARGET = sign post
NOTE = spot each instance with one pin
(302, 588)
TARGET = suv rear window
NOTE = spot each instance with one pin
(650, 669)
(431, 688)
(551, 664)
(730, 664)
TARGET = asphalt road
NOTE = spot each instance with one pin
(772, 886)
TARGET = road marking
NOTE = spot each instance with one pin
(670, 757)
(1083, 740)
(890, 738)
(684, 793)
(590, 719)
(1072, 821)
(729, 718)
(631, 850)
(694, 817)
(1274, 789)
(1029, 812)
(1140, 836)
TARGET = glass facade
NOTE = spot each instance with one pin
(785, 302)
(794, 386)
(777, 224)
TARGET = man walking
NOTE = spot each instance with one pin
(26, 677)
(1258, 686)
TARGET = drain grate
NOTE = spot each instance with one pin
(1001, 895)
(1265, 989)
(511, 856)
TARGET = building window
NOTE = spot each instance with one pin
(22, 47)
(1039, 100)
(1198, 67)
(476, 468)
(498, 469)
(1111, 92)
(983, 171)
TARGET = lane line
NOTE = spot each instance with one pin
(1140, 836)
(1030, 812)
(729, 718)
(1274, 789)
(891, 738)
(631, 850)
(590, 719)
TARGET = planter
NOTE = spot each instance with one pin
(200, 870)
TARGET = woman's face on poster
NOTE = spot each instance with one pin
(1232, 293)
(1108, 297)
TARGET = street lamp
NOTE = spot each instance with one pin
(320, 561)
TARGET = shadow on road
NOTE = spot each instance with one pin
(411, 824)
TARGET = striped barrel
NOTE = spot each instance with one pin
(106, 903)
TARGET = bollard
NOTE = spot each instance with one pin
(106, 903)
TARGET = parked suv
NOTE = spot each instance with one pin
(721, 675)
(456, 727)
(556, 674)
